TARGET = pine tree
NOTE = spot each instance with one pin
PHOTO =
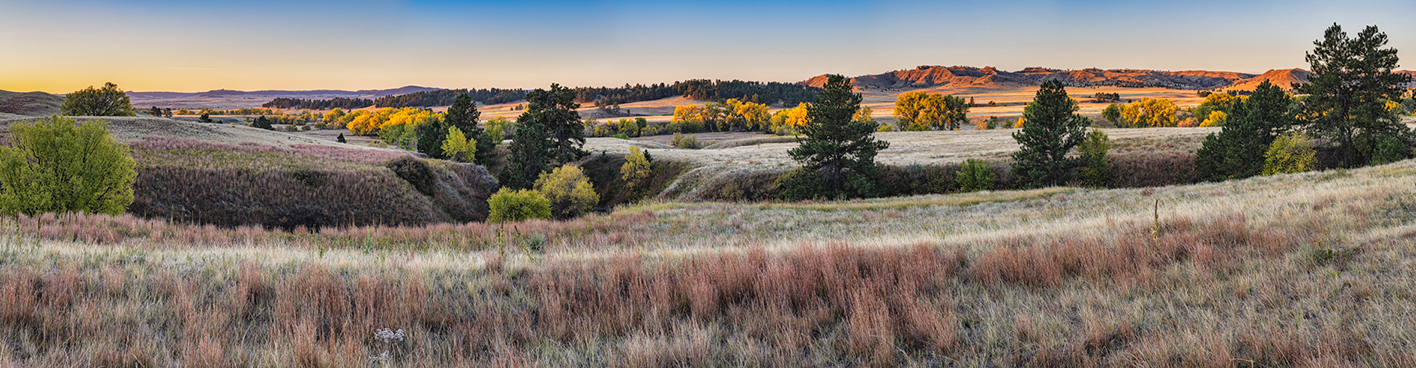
(838, 147)
(1053, 128)
(463, 114)
(263, 123)
(1237, 151)
(530, 156)
(431, 135)
(554, 112)
(1352, 81)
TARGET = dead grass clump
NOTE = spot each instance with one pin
(1132, 255)
(1152, 169)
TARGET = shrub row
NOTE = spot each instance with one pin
(1137, 170)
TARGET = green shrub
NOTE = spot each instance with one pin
(1389, 150)
(517, 205)
(53, 165)
(106, 101)
(975, 175)
(799, 184)
(1290, 153)
(686, 141)
(1097, 171)
(568, 190)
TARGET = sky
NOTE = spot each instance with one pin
(59, 46)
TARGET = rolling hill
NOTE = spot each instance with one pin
(965, 76)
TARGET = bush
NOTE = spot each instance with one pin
(1389, 150)
(686, 141)
(55, 166)
(568, 190)
(518, 205)
(799, 184)
(975, 175)
(1290, 153)
(106, 101)
(1140, 170)
(1097, 169)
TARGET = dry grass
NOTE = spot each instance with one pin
(1311, 269)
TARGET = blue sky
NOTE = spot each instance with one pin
(63, 45)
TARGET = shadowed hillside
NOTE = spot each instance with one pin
(32, 103)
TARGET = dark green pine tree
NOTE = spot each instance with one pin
(554, 112)
(836, 146)
(263, 123)
(1352, 81)
(1053, 128)
(464, 115)
(1237, 151)
(530, 156)
(431, 135)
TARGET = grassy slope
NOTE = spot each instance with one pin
(1311, 269)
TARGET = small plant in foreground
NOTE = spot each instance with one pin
(386, 337)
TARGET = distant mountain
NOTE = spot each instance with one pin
(986, 77)
(320, 93)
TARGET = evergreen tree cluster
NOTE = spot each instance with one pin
(604, 96)
(550, 133)
(300, 103)
(788, 94)
(445, 97)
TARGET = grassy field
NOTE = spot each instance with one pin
(1311, 269)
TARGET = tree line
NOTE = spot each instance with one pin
(445, 97)
(333, 103)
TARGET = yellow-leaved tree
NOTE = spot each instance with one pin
(458, 146)
(636, 167)
(1216, 118)
(1151, 113)
(569, 191)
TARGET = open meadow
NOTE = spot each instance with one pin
(1309, 269)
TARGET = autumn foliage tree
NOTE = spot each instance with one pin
(918, 110)
(1150, 113)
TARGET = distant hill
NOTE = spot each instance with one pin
(32, 103)
(226, 99)
(1283, 78)
(965, 76)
